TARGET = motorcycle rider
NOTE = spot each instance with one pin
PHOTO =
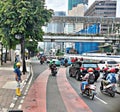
(41, 59)
(66, 62)
(109, 79)
(52, 66)
(89, 78)
(105, 73)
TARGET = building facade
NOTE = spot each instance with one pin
(102, 8)
(76, 8)
(55, 27)
(74, 3)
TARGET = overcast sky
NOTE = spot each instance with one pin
(62, 5)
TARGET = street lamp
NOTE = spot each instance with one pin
(22, 42)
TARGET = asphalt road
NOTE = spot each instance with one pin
(102, 102)
(54, 100)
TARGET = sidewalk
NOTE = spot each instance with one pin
(8, 85)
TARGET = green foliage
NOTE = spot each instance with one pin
(31, 46)
(59, 53)
(23, 17)
(72, 34)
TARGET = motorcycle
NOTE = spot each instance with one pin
(90, 91)
(66, 64)
(54, 71)
(109, 89)
(41, 60)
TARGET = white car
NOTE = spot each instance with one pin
(108, 63)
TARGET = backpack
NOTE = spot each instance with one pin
(113, 79)
(91, 79)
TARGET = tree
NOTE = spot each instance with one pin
(31, 47)
(24, 17)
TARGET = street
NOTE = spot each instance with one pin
(102, 102)
(62, 90)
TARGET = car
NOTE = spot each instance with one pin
(107, 63)
(62, 60)
(86, 65)
(57, 62)
(74, 69)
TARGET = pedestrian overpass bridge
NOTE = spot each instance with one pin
(86, 19)
(85, 38)
(100, 39)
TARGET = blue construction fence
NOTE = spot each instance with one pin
(86, 47)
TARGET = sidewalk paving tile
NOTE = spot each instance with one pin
(8, 84)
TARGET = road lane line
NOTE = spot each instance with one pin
(101, 100)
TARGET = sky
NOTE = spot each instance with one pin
(62, 5)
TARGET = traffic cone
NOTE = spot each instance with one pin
(18, 92)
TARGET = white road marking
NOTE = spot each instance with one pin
(12, 105)
(21, 101)
(23, 97)
(101, 100)
(20, 106)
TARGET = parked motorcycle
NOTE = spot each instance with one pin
(90, 91)
(109, 89)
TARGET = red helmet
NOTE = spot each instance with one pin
(90, 70)
(112, 70)
(105, 69)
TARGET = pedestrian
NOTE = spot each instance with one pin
(18, 74)
(17, 59)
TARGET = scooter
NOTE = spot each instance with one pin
(90, 91)
(66, 64)
(109, 89)
(54, 71)
(41, 62)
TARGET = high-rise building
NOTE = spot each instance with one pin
(74, 3)
(76, 8)
(103, 8)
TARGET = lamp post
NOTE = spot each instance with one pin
(22, 42)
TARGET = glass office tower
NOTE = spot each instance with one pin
(74, 3)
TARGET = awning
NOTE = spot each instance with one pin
(105, 45)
